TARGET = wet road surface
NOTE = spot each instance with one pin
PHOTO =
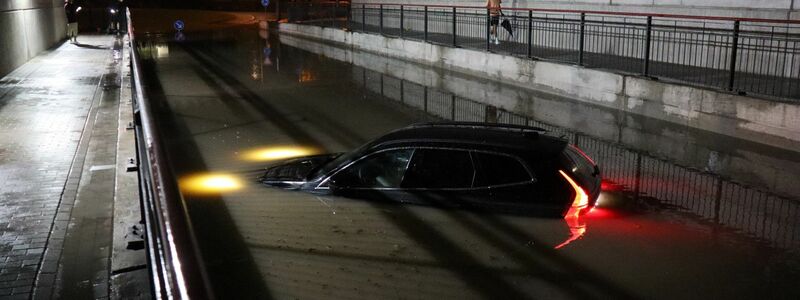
(687, 214)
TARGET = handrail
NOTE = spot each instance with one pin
(598, 12)
(176, 268)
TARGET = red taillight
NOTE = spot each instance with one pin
(583, 154)
(581, 200)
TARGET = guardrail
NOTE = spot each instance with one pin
(739, 55)
(176, 268)
(327, 14)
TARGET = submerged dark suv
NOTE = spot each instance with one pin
(496, 167)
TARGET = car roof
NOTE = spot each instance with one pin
(514, 138)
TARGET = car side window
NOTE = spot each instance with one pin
(380, 170)
(499, 169)
(439, 168)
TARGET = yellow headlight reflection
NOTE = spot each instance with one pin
(210, 183)
(276, 153)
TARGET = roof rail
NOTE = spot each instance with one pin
(509, 127)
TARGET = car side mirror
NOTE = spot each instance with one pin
(332, 185)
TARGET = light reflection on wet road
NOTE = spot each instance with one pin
(227, 99)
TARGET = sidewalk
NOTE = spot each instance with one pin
(58, 143)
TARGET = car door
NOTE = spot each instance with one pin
(377, 176)
(511, 185)
(442, 177)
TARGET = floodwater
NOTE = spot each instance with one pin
(686, 214)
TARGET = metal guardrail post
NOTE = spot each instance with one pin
(335, 7)
(380, 14)
(488, 29)
(637, 184)
(453, 107)
(426, 23)
(647, 39)
(363, 17)
(530, 33)
(734, 53)
(402, 91)
(402, 22)
(455, 26)
(582, 35)
(425, 98)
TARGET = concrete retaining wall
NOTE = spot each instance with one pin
(749, 118)
(768, 9)
(27, 28)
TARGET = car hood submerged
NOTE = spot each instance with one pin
(295, 171)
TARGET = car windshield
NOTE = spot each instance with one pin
(338, 161)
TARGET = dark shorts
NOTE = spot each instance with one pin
(494, 20)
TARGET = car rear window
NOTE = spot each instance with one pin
(499, 169)
(577, 163)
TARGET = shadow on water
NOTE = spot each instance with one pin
(447, 252)
(331, 127)
(646, 180)
(228, 262)
(572, 280)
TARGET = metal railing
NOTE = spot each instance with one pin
(326, 13)
(756, 56)
(175, 265)
(648, 179)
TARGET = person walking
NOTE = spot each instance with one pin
(72, 20)
(116, 10)
(494, 19)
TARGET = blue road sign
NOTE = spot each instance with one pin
(264, 3)
(179, 25)
(267, 51)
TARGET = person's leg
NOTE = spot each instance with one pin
(495, 21)
(71, 32)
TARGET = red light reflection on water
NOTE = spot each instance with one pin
(577, 228)
(578, 224)
(599, 212)
(610, 186)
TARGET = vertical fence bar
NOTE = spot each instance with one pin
(426, 23)
(349, 16)
(647, 39)
(582, 35)
(402, 21)
(453, 107)
(333, 13)
(734, 52)
(530, 33)
(402, 91)
(278, 9)
(363, 17)
(637, 188)
(425, 99)
(488, 31)
(718, 198)
(380, 15)
(455, 39)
